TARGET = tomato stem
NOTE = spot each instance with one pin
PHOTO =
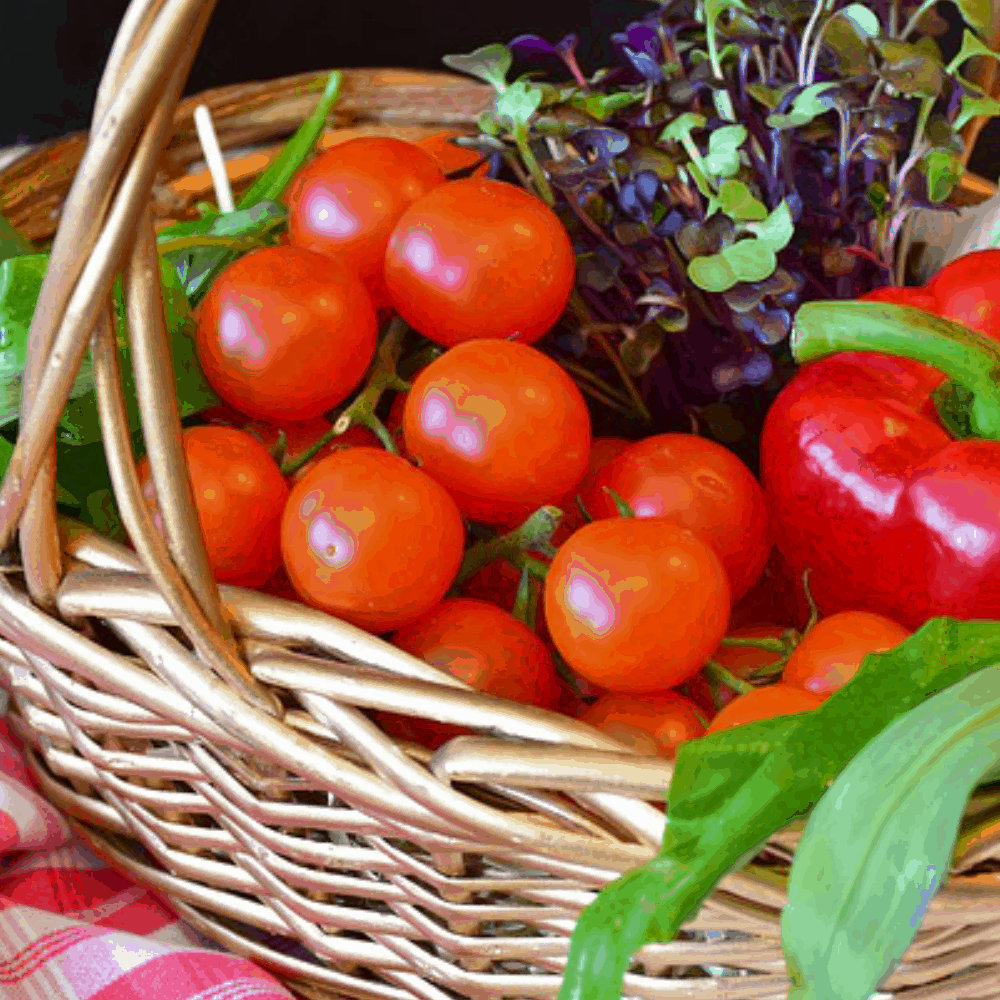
(771, 645)
(970, 360)
(362, 411)
(526, 602)
(533, 535)
(813, 610)
(623, 507)
(715, 671)
(587, 516)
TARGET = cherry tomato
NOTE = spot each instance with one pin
(239, 494)
(479, 259)
(832, 651)
(451, 157)
(286, 334)
(371, 539)
(653, 724)
(302, 435)
(699, 484)
(348, 200)
(501, 426)
(636, 605)
(740, 661)
(967, 291)
(484, 646)
(764, 703)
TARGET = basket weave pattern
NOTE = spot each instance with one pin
(213, 741)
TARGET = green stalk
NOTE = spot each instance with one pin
(968, 359)
(533, 535)
(716, 672)
(534, 168)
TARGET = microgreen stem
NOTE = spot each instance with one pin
(623, 373)
(533, 535)
(534, 168)
(806, 37)
(580, 372)
(362, 411)
(915, 17)
(716, 672)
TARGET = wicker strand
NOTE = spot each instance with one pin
(148, 541)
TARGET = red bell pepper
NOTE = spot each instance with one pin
(869, 489)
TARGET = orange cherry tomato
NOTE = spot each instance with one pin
(239, 494)
(500, 426)
(451, 157)
(477, 259)
(652, 724)
(370, 539)
(740, 661)
(347, 201)
(832, 651)
(764, 703)
(602, 451)
(286, 334)
(699, 484)
(636, 605)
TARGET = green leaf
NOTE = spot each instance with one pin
(20, 284)
(732, 790)
(101, 511)
(490, 63)
(680, 129)
(910, 69)
(603, 106)
(944, 170)
(864, 20)
(971, 46)
(806, 106)
(750, 260)
(723, 156)
(770, 97)
(973, 107)
(80, 424)
(516, 105)
(711, 273)
(12, 243)
(976, 13)
(738, 202)
(873, 854)
(777, 229)
(271, 184)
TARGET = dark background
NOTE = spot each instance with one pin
(52, 51)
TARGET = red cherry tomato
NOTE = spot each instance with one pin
(653, 724)
(286, 334)
(967, 291)
(370, 539)
(699, 484)
(602, 451)
(480, 259)
(501, 426)
(778, 596)
(348, 200)
(239, 494)
(764, 703)
(636, 605)
(832, 651)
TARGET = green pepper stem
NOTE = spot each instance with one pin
(970, 360)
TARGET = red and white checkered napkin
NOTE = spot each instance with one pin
(64, 914)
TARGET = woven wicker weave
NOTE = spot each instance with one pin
(211, 742)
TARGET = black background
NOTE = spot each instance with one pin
(52, 51)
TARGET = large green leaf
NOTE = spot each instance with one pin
(732, 790)
(20, 284)
(12, 243)
(879, 844)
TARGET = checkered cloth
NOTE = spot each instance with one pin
(64, 914)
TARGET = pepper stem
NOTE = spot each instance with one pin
(970, 360)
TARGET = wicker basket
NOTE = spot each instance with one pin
(211, 741)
